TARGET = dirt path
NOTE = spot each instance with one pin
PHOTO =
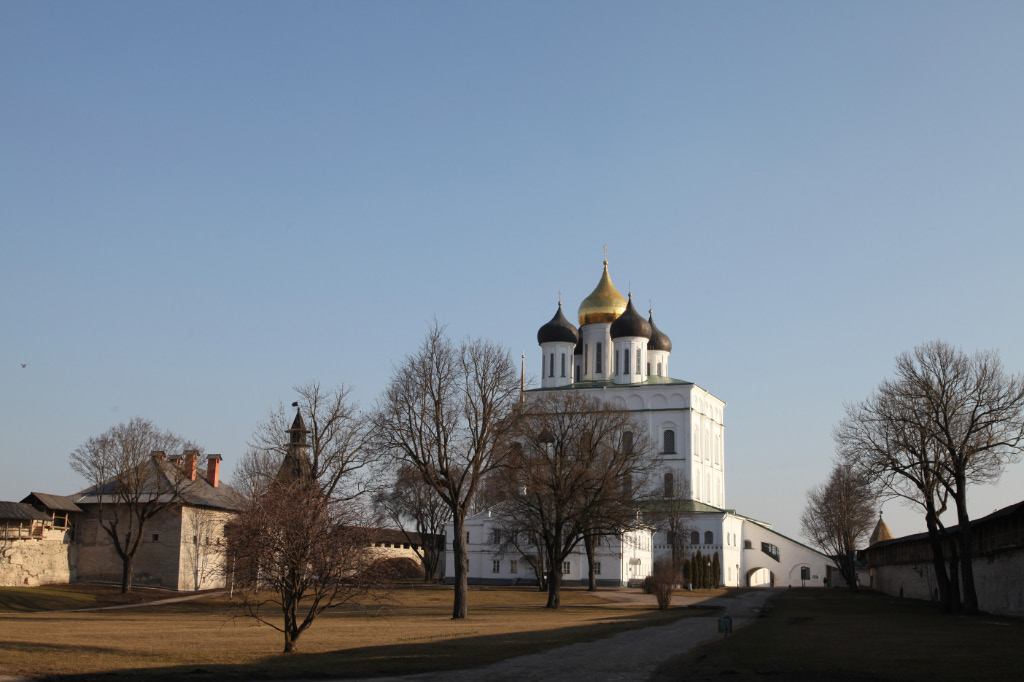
(138, 605)
(633, 655)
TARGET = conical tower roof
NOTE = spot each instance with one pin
(604, 304)
(881, 532)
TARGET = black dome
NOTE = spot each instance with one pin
(659, 339)
(630, 323)
(558, 329)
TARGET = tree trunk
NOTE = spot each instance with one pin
(588, 543)
(461, 562)
(970, 594)
(126, 573)
(946, 601)
(554, 587)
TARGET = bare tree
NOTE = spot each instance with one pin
(130, 482)
(576, 475)
(410, 499)
(839, 514)
(297, 552)
(336, 453)
(671, 511)
(966, 414)
(447, 412)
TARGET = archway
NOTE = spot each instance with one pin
(760, 576)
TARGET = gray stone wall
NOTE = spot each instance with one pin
(156, 564)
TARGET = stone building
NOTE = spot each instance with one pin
(903, 566)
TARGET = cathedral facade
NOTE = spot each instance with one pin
(622, 358)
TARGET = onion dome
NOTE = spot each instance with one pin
(558, 329)
(578, 350)
(604, 304)
(659, 339)
(630, 323)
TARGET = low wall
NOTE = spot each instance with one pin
(27, 562)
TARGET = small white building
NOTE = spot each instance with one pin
(618, 559)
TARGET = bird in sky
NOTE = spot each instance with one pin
(24, 365)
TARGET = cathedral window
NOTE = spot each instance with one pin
(551, 366)
(597, 358)
(669, 439)
(638, 361)
(563, 364)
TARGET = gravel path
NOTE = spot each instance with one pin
(633, 655)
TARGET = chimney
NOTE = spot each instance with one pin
(213, 470)
(175, 459)
(190, 464)
(157, 455)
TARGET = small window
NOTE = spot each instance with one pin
(496, 566)
(648, 369)
(616, 355)
(566, 567)
(577, 373)
(694, 538)
(467, 537)
(563, 365)
(627, 441)
(747, 545)
(669, 441)
(805, 573)
(709, 538)
(551, 365)
(597, 568)
(659, 370)
(638, 361)
(597, 358)
(669, 483)
(586, 354)
(513, 566)
(156, 537)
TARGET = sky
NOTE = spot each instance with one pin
(203, 205)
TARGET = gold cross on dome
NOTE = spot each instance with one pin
(606, 252)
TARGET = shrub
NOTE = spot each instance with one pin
(661, 583)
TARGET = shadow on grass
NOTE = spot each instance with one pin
(441, 652)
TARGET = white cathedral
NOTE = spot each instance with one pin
(620, 357)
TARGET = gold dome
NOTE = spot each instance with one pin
(604, 304)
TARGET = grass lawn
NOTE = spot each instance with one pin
(200, 639)
(64, 597)
(833, 635)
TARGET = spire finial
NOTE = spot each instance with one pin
(606, 254)
(650, 307)
(559, 297)
(629, 288)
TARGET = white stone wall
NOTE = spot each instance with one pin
(27, 562)
(203, 549)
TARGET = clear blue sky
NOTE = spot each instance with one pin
(203, 204)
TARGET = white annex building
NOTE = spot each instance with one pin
(617, 355)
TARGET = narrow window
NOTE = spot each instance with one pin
(597, 358)
(156, 537)
(670, 441)
(616, 354)
(627, 441)
(638, 361)
(577, 372)
(586, 355)
(566, 567)
(709, 538)
(513, 566)
(495, 566)
(563, 365)
(648, 369)
(551, 366)
(659, 370)
(597, 568)
(669, 485)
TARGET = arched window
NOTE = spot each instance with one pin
(563, 364)
(597, 358)
(627, 441)
(669, 485)
(670, 441)
(551, 366)
(709, 538)
(638, 361)
(616, 354)
(659, 370)
(694, 538)
(648, 369)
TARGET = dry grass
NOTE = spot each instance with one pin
(414, 633)
(834, 635)
(79, 596)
